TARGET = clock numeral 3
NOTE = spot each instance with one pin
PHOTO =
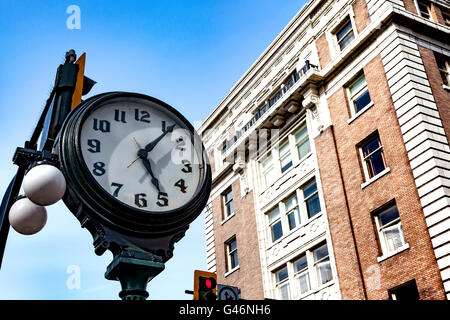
(187, 166)
(119, 116)
(94, 145)
(139, 200)
(141, 115)
(118, 186)
(102, 125)
(181, 184)
(99, 169)
(164, 201)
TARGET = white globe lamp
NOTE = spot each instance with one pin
(44, 184)
(27, 217)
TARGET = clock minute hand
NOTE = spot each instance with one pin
(148, 167)
(149, 147)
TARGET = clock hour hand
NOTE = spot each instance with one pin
(149, 147)
(148, 167)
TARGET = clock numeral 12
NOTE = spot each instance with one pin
(99, 169)
(139, 200)
(164, 201)
(181, 184)
(141, 115)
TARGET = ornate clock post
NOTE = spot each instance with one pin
(137, 175)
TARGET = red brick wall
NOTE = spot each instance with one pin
(441, 95)
(410, 6)
(361, 14)
(417, 262)
(323, 51)
(248, 277)
(436, 14)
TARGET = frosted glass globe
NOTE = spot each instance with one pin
(44, 184)
(27, 217)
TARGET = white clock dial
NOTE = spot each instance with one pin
(142, 154)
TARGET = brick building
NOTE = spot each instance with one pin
(331, 158)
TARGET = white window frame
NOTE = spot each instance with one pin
(297, 143)
(357, 94)
(446, 69)
(225, 202)
(341, 25)
(297, 215)
(283, 283)
(382, 236)
(305, 216)
(286, 154)
(276, 220)
(419, 12)
(367, 176)
(230, 252)
(270, 167)
(305, 271)
(317, 263)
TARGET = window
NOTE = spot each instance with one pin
(228, 205)
(292, 212)
(285, 156)
(424, 10)
(373, 157)
(282, 279)
(322, 264)
(359, 94)
(389, 227)
(302, 274)
(345, 34)
(407, 291)
(275, 223)
(302, 142)
(443, 64)
(311, 197)
(232, 254)
(446, 17)
(268, 171)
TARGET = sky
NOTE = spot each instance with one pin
(186, 53)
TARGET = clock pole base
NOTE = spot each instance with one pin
(134, 269)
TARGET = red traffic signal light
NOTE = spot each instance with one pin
(205, 285)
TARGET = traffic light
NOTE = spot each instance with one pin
(205, 285)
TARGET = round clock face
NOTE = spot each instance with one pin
(142, 154)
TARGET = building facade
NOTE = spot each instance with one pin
(331, 158)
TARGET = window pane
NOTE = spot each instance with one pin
(269, 175)
(357, 85)
(347, 39)
(375, 163)
(300, 264)
(286, 162)
(267, 162)
(281, 274)
(372, 146)
(394, 237)
(310, 189)
(304, 148)
(344, 30)
(232, 245)
(320, 253)
(284, 290)
(234, 260)
(229, 195)
(291, 220)
(388, 215)
(284, 149)
(230, 208)
(305, 285)
(324, 272)
(313, 205)
(302, 134)
(277, 231)
(362, 101)
(275, 213)
(291, 203)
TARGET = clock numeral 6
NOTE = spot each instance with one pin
(164, 201)
(94, 145)
(139, 200)
(181, 184)
(102, 125)
(99, 169)
(187, 166)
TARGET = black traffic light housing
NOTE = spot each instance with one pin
(205, 286)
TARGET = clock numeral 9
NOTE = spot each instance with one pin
(164, 201)
(141, 115)
(181, 184)
(94, 145)
(139, 200)
(102, 125)
(99, 169)
(187, 166)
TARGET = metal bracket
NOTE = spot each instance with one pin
(25, 156)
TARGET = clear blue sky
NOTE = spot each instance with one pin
(186, 53)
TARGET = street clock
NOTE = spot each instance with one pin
(137, 173)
